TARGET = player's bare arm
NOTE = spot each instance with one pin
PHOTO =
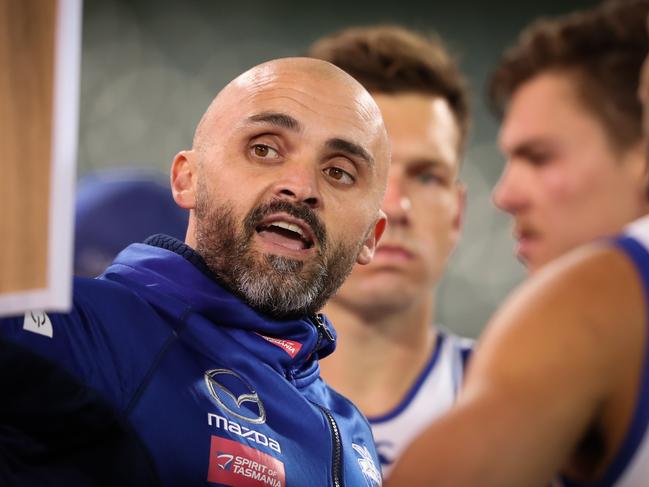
(554, 353)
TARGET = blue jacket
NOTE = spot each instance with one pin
(218, 393)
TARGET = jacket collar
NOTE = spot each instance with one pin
(170, 274)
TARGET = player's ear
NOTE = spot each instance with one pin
(183, 180)
(373, 237)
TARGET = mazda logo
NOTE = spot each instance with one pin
(235, 395)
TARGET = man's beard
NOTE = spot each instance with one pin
(272, 284)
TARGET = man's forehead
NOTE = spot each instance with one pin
(350, 111)
(292, 73)
(284, 87)
(531, 112)
(516, 135)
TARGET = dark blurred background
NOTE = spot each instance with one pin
(150, 68)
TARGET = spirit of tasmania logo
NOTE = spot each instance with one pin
(235, 464)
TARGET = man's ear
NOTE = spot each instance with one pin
(183, 180)
(373, 237)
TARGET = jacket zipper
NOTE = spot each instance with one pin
(337, 461)
(322, 329)
(336, 458)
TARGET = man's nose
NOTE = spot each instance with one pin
(511, 192)
(396, 203)
(298, 182)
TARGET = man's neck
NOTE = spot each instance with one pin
(377, 360)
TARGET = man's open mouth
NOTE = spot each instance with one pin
(292, 234)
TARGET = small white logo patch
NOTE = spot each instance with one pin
(366, 463)
(38, 322)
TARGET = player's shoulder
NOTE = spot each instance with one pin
(592, 299)
(128, 322)
(597, 273)
(86, 289)
(592, 274)
(114, 304)
(605, 263)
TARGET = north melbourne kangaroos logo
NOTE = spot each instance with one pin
(366, 463)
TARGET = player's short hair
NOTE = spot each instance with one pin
(603, 49)
(391, 59)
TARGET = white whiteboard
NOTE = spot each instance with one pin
(56, 296)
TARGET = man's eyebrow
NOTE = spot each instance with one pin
(428, 162)
(276, 118)
(352, 148)
(528, 147)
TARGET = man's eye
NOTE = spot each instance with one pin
(429, 178)
(264, 152)
(339, 175)
(538, 159)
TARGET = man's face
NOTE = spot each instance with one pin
(423, 203)
(288, 186)
(564, 182)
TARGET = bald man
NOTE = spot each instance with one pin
(208, 349)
